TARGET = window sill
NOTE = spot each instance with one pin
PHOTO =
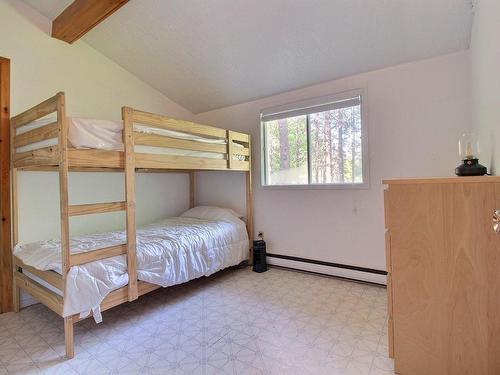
(363, 186)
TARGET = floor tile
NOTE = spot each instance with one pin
(235, 322)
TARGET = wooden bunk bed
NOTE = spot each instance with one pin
(64, 158)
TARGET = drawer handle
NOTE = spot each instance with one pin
(496, 221)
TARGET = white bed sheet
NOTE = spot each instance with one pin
(86, 133)
(169, 252)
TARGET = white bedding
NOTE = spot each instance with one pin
(108, 135)
(169, 252)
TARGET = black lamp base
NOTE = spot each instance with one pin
(471, 167)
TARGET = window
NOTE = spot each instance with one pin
(316, 142)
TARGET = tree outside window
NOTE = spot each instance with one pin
(317, 147)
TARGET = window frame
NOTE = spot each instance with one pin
(317, 102)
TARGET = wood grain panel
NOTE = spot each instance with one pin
(96, 208)
(249, 204)
(41, 293)
(81, 16)
(34, 113)
(229, 149)
(415, 237)
(386, 208)
(390, 313)
(41, 156)
(92, 256)
(51, 277)
(130, 164)
(493, 293)
(238, 165)
(388, 262)
(16, 291)
(6, 287)
(115, 159)
(51, 168)
(163, 122)
(119, 296)
(163, 141)
(467, 224)
(69, 340)
(241, 151)
(443, 180)
(178, 162)
(62, 122)
(440, 235)
(37, 135)
(192, 189)
(240, 137)
(390, 332)
(95, 158)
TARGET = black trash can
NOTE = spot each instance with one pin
(259, 256)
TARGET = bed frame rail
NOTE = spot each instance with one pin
(37, 156)
(229, 155)
(95, 255)
(37, 135)
(37, 112)
(50, 299)
(32, 137)
(96, 208)
(50, 277)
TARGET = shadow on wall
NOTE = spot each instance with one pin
(37, 19)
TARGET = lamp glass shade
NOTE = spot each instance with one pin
(468, 146)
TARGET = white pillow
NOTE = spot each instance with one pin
(211, 213)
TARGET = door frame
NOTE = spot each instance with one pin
(6, 270)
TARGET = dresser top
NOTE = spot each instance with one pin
(442, 180)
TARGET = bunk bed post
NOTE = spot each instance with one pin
(192, 189)
(128, 141)
(62, 145)
(249, 203)
(16, 291)
(69, 335)
(229, 149)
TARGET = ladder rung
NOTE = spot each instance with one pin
(96, 208)
(91, 256)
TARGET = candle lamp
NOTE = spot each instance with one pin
(468, 146)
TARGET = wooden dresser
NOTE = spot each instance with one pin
(443, 263)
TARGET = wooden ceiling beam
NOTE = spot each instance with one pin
(81, 16)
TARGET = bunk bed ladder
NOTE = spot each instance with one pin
(63, 197)
(67, 211)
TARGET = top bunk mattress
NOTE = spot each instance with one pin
(84, 133)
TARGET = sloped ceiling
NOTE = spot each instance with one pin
(207, 54)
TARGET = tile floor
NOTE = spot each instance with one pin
(236, 322)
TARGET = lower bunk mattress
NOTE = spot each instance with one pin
(169, 252)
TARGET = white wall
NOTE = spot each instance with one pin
(95, 87)
(416, 113)
(485, 53)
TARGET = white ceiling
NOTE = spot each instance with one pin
(207, 54)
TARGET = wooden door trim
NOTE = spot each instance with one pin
(5, 214)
